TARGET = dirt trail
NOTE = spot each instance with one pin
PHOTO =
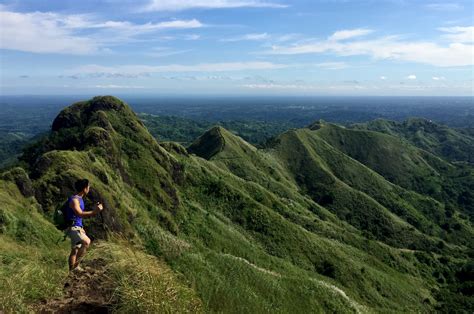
(87, 291)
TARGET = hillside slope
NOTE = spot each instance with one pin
(438, 139)
(299, 227)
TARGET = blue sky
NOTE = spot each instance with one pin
(238, 47)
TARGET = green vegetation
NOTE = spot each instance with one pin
(324, 219)
(31, 262)
(145, 284)
(186, 130)
(452, 144)
(393, 157)
(11, 145)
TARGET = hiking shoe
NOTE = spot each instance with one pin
(78, 269)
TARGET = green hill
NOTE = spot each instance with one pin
(301, 226)
(408, 166)
(11, 144)
(452, 144)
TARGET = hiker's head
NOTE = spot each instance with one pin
(82, 185)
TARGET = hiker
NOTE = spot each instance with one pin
(76, 211)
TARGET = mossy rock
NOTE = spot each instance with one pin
(21, 179)
(97, 136)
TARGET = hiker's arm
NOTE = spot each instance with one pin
(76, 207)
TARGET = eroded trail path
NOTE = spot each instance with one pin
(87, 291)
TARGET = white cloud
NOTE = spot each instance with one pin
(85, 22)
(444, 6)
(278, 86)
(332, 65)
(129, 70)
(324, 88)
(251, 37)
(173, 5)
(349, 33)
(389, 47)
(459, 34)
(48, 32)
(411, 77)
(42, 33)
(438, 78)
(120, 32)
(176, 24)
(165, 52)
(200, 78)
(112, 86)
(192, 37)
(383, 78)
(363, 88)
(288, 37)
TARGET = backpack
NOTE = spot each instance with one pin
(59, 216)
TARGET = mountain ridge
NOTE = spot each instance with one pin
(210, 219)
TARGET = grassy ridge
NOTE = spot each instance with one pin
(327, 176)
(298, 227)
(31, 263)
(444, 185)
(452, 144)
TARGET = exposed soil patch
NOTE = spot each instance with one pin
(87, 291)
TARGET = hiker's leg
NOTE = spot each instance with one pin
(84, 245)
(73, 257)
(75, 245)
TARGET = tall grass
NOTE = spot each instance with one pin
(144, 284)
(29, 274)
(32, 264)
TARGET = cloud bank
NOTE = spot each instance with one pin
(457, 53)
(47, 32)
(173, 5)
(144, 70)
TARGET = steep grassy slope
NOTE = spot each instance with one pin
(454, 185)
(137, 212)
(341, 184)
(408, 167)
(321, 167)
(244, 230)
(302, 160)
(242, 159)
(393, 158)
(31, 264)
(439, 139)
(241, 229)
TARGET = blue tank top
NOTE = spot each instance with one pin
(77, 221)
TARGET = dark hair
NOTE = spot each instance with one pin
(81, 184)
